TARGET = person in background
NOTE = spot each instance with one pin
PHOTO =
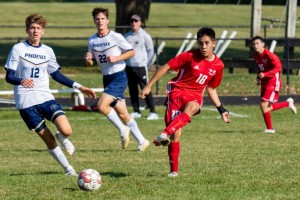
(197, 70)
(137, 66)
(110, 49)
(27, 68)
(268, 78)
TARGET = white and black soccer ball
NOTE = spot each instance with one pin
(89, 179)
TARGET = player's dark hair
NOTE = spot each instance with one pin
(257, 38)
(206, 31)
(37, 19)
(104, 11)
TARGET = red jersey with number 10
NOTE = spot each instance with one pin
(194, 73)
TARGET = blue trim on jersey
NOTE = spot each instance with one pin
(10, 77)
(40, 44)
(62, 79)
(34, 116)
(115, 84)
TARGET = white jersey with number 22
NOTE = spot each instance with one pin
(112, 44)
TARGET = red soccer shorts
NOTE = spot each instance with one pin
(176, 105)
(269, 94)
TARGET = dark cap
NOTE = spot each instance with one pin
(136, 17)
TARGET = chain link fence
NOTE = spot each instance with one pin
(70, 50)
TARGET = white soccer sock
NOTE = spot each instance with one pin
(60, 157)
(136, 131)
(115, 120)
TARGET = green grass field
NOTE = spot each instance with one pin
(218, 160)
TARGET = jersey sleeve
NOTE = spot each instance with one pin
(53, 65)
(217, 78)
(275, 63)
(90, 48)
(13, 59)
(123, 44)
(179, 61)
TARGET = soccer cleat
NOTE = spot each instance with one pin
(136, 115)
(125, 138)
(144, 146)
(152, 116)
(65, 142)
(269, 131)
(162, 139)
(71, 172)
(291, 105)
(173, 174)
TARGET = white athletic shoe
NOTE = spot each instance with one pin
(71, 172)
(162, 139)
(125, 137)
(291, 105)
(144, 146)
(152, 116)
(136, 115)
(173, 174)
(65, 142)
(269, 131)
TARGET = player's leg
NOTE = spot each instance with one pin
(104, 106)
(55, 151)
(35, 121)
(122, 111)
(183, 118)
(173, 152)
(266, 111)
(52, 111)
(64, 131)
(289, 103)
(133, 91)
(268, 96)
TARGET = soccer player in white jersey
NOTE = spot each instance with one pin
(27, 68)
(110, 49)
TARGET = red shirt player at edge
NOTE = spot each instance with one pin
(268, 77)
(196, 71)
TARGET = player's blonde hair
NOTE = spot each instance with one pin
(37, 19)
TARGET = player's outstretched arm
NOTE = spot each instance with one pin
(213, 95)
(62, 79)
(89, 92)
(157, 75)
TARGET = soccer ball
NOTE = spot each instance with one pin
(89, 179)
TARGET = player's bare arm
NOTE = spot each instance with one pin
(157, 75)
(123, 56)
(89, 92)
(213, 95)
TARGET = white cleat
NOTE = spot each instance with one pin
(71, 172)
(173, 174)
(162, 139)
(291, 105)
(152, 116)
(65, 142)
(136, 115)
(125, 138)
(144, 146)
(269, 131)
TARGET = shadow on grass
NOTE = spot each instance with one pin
(114, 174)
